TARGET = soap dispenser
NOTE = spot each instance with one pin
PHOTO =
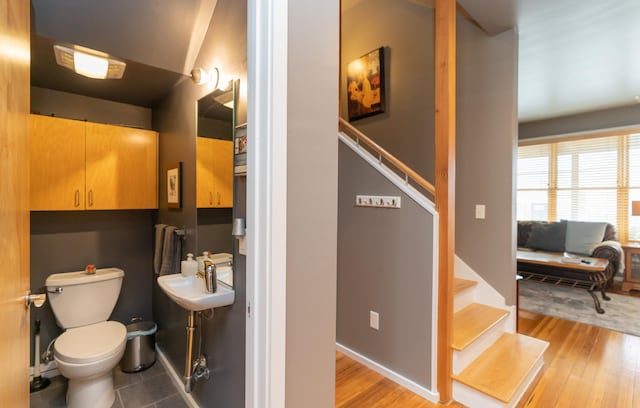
(189, 267)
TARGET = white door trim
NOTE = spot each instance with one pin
(266, 203)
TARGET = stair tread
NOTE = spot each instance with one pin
(470, 322)
(460, 285)
(502, 368)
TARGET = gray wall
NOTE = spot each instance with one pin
(312, 167)
(405, 29)
(49, 102)
(214, 230)
(215, 128)
(224, 336)
(385, 264)
(582, 122)
(67, 241)
(486, 122)
(485, 154)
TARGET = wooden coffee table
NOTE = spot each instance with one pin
(592, 272)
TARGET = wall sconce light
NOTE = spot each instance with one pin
(89, 63)
(635, 208)
(213, 78)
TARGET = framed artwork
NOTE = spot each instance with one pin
(365, 85)
(174, 185)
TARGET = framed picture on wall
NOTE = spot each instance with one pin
(174, 185)
(365, 85)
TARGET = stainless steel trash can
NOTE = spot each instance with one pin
(140, 352)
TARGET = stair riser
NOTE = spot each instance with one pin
(464, 299)
(462, 358)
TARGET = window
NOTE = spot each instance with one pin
(586, 179)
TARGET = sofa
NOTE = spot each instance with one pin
(591, 239)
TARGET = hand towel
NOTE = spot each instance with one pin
(171, 252)
(157, 249)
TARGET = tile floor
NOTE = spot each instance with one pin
(151, 388)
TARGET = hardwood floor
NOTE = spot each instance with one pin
(359, 387)
(585, 366)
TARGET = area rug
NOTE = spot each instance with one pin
(621, 312)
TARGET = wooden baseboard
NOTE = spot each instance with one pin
(390, 374)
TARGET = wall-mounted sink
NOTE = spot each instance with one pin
(189, 292)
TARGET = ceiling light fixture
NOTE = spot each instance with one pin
(89, 63)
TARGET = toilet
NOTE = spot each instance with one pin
(91, 346)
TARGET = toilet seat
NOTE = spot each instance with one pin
(91, 343)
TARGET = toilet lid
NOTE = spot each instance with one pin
(91, 343)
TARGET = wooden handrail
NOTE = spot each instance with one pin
(343, 124)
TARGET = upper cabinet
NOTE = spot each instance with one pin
(88, 166)
(57, 163)
(122, 167)
(214, 172)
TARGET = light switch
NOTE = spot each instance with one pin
(480, 211)
(374, 320)
(242, 248)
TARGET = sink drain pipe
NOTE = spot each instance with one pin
(194, 370)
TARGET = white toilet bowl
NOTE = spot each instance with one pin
(91, 346)
(86, 356)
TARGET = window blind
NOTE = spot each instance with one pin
(587, 179)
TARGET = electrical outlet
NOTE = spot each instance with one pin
(480, 209)
(374, 320)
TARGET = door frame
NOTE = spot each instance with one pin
(266, 203)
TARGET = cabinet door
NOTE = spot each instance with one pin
(57, 149)
(223, 173)
(122, 168)
(204, 172)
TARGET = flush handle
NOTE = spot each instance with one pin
(36, 299)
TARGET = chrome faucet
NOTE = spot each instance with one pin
(210, 276)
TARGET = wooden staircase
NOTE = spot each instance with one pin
(492, 365)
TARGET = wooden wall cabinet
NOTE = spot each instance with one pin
(57, 162)
(632, 267)
(214, 173)
(89, 166)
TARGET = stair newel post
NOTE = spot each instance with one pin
(445, 164)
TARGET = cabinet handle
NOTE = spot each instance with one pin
(77, 198)
(218, 197)
(90, 198)
(210, 198)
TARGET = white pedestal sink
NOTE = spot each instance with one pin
(189, 292)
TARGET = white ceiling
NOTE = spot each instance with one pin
(161, 33)
(158, 39)
(577, 56)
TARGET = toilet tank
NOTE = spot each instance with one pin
(80, 299)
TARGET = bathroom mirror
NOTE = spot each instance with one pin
(214, 175)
